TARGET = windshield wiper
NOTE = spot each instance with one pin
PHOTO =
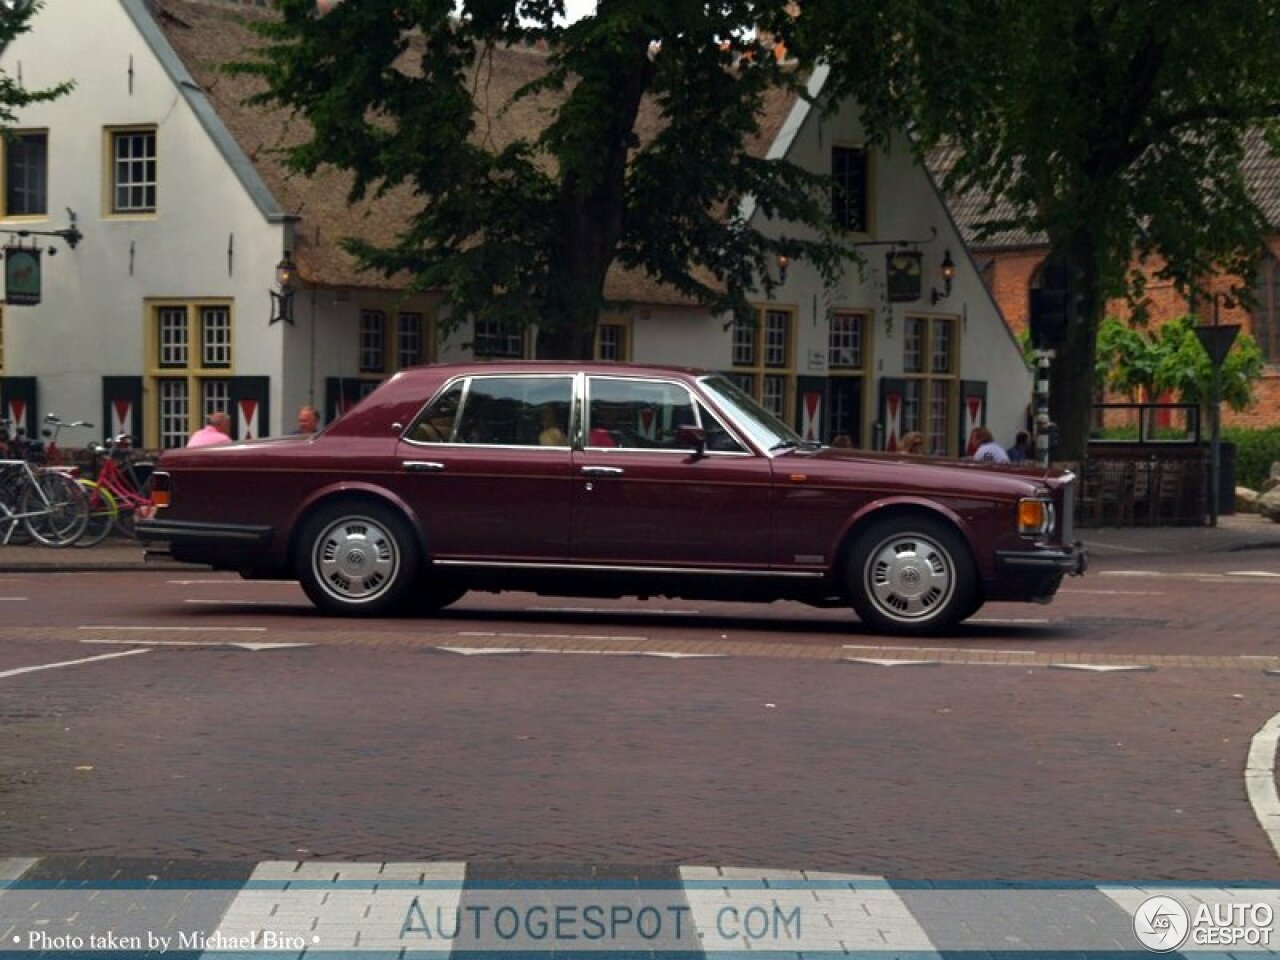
(784, 445)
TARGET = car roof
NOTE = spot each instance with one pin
(482, 367)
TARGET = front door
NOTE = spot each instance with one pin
(640, 499)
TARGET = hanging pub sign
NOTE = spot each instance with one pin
(22, 275)
(902, 270)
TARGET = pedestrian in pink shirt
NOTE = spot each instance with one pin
(215, 433)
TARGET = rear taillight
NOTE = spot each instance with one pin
(161, 488)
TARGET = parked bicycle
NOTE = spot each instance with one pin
(124, 480)
(48, 506)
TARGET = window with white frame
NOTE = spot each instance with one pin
(762, 359)
(174, 413)
(373, 341)
(133, 171)
(189, 366)
(850, 177)
(493, 341)
(409, 340)
(215, 336)
(845, 341)
(612, 342)
(929, 365)
(26, 174)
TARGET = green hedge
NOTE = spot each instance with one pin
(1256, 451)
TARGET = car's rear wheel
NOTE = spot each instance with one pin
(911, 575)
(357, 558)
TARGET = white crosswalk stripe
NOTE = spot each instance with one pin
(442, 909)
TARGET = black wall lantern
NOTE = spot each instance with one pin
(948, 274)
(282, 299)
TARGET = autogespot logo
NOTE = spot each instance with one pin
(1161, 924)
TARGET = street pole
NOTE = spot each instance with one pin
(1042, 405)
(1216, 341)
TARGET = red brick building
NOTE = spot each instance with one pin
(1009, 262)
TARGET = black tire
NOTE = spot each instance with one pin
(357, 558)
(103, 514)
(426, 598)
(911, 575)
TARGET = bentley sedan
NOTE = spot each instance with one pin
(607, 480)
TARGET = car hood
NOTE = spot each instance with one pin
(933, 473)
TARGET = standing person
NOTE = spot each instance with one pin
(214, 433)
(308, 419)
(988, 450)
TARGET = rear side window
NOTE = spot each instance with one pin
(527, 411)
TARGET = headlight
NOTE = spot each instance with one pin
(1035, 517)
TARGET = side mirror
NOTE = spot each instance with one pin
(691, 436)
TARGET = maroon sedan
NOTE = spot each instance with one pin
(609, 480)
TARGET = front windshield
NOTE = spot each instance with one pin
(766, 430)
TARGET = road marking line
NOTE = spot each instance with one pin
(1009, 620)
(13, 598)
(242, 603)
(1119, 593)
(177, 629)
(1104, 667)
(243, 644)
(546, 636)
(873, 661)
(71, 663)
(1260, 780)
(866, 646)
(1252, 573)
(631, 610)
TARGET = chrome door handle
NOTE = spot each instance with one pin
(422, 466)
(602, 471)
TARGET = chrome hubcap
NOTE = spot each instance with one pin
(355, 559)
(909, 577)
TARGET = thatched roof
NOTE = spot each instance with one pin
(1261, 168)
(207, 35)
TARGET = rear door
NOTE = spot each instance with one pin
(486, 467)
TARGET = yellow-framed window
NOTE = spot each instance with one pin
(613, 339)
(25, 172)
(764, 358)
(393, 340)
(491, 341)
(932, 376)
(189, 367)
(131, 171)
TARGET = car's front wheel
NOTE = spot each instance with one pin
(357, 559)
(911, 575)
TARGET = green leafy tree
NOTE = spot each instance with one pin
(637, 158)
(1113, 128)
(1170, 359)
(15, 20)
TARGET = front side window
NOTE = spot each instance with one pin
(26, 175)
(637, 414)
(133, 171)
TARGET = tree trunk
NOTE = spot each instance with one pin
(1072, 370)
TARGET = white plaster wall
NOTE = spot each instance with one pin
(904, 206)
(91, 320)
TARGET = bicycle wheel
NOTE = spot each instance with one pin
(12, 531)
(103, 513)
(56, 508)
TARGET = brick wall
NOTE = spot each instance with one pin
(1009, 277)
